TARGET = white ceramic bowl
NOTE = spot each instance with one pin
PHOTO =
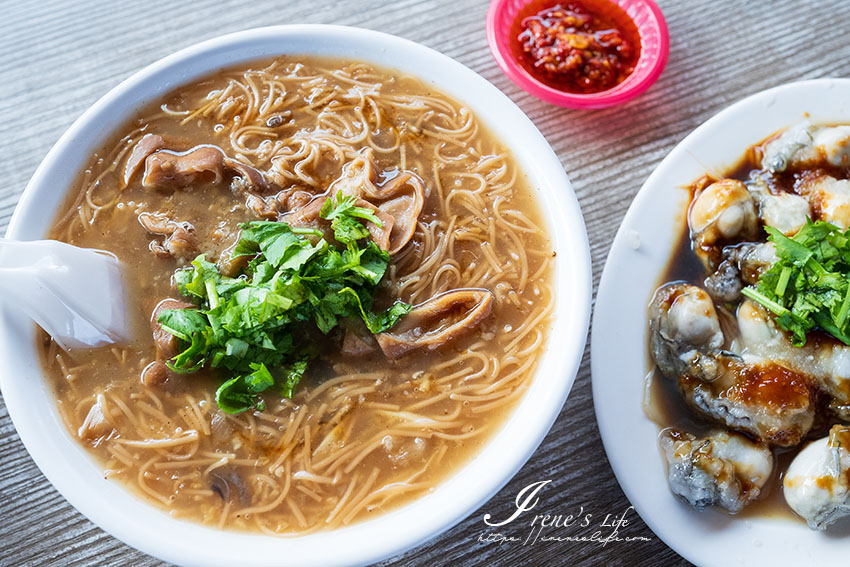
(77, 476)
(619, 354)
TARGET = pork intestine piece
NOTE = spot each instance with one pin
(274, 207)
(401, 196)
(308, 216)
(170, 170)
(437, 322)
(156, 374)
(179, 240)
(148, 144)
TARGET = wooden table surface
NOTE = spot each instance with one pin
(57, 57)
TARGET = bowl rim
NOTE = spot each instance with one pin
(76, 475)
(645, 242)
(630, 88)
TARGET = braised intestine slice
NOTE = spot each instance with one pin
(169, 170)
(166, 169)
(247, 177)
(380, 235)
(143, 148)
(357, 177)
(357, 344)
(437, 322)
(403, 199)
(157, 373)
(230, 265)
(402, 196)
(166, 343)
(179, 241)
(273, 207)
(308, 215)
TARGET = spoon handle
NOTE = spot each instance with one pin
(75, 294)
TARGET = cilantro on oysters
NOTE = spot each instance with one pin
(809, 285)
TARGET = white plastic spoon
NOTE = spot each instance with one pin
(75, 294)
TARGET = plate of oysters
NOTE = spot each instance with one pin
(721, 338)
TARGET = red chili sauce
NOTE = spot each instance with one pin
(579, 47)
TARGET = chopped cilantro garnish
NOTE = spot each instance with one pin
(256, 324)
(809, 286)
(240, 393)
(344, 215)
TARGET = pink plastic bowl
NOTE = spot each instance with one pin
(655, 44)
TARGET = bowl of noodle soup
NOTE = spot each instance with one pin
(388, 440)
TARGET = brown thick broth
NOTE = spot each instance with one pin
(361, 435)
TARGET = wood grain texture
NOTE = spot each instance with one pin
(57, 57)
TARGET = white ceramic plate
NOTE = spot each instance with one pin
(619, 355)
(79, 478)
